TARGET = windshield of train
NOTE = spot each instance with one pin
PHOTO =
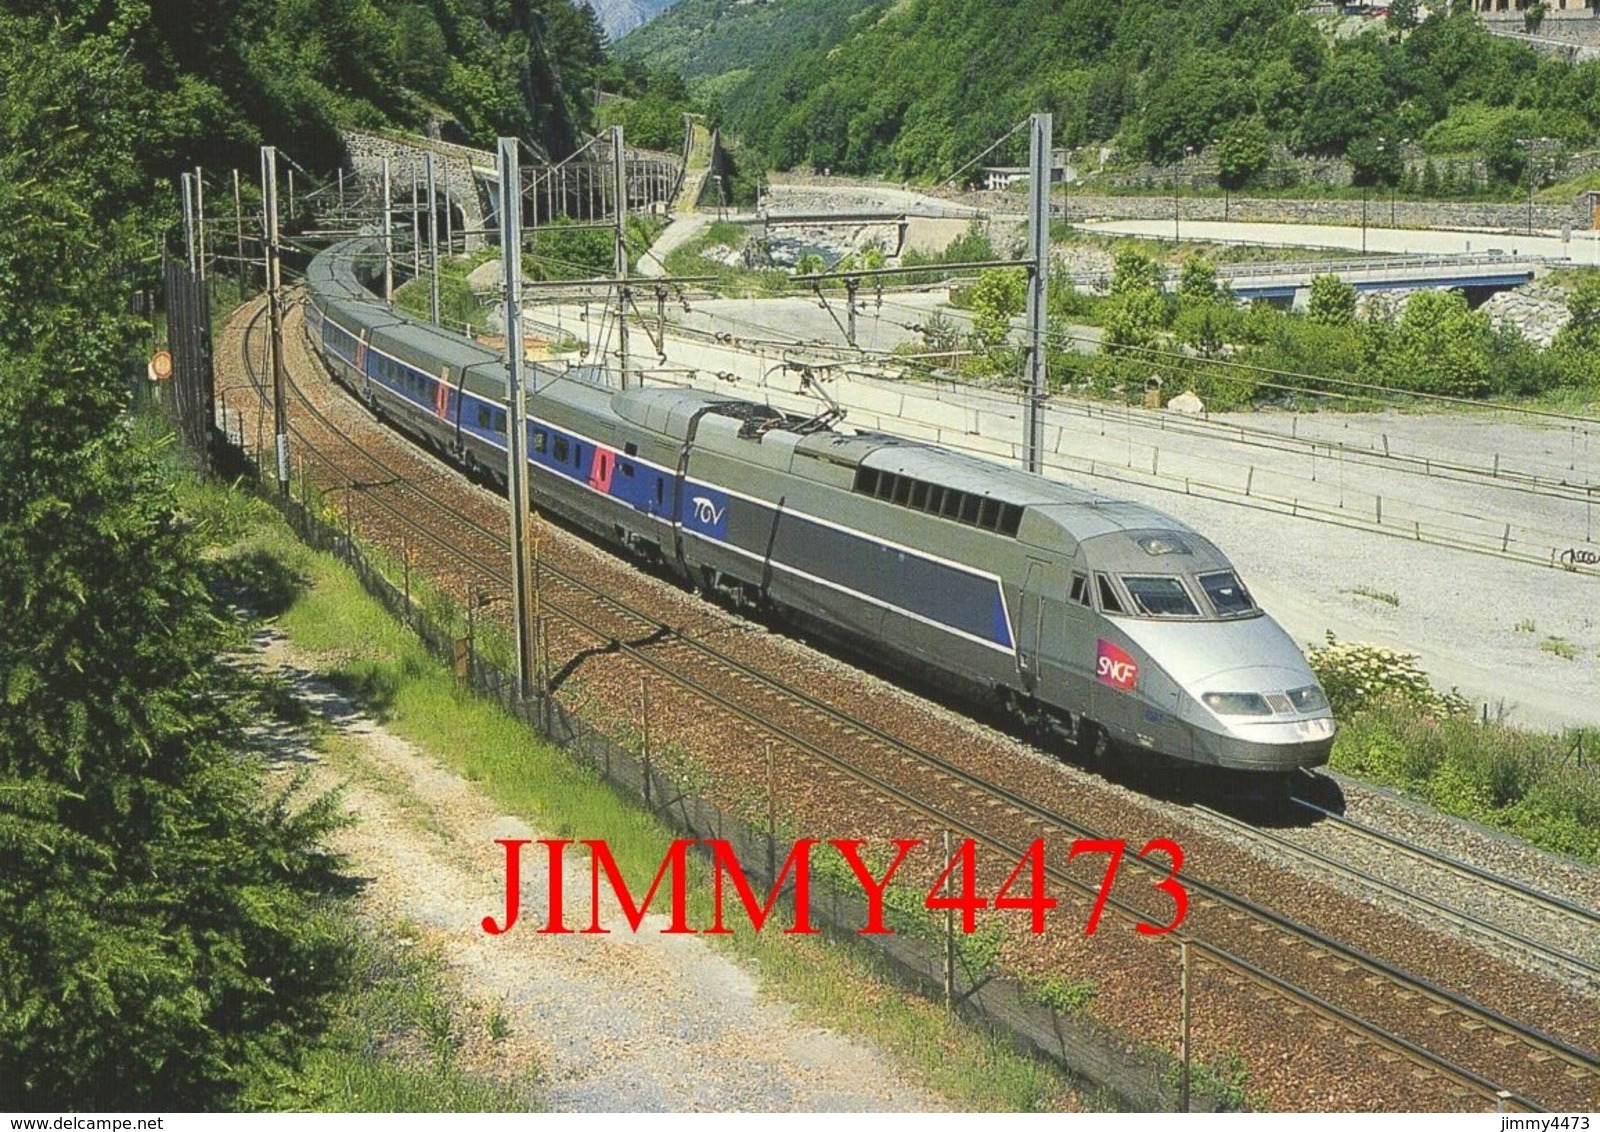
(1227, 593)
(1159, 596)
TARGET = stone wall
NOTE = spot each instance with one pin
(454, 180)
(1495, 218)
(1537, 312)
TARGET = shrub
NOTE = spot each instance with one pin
(1358, 676)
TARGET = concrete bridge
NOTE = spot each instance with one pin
(466, 182)
(1479, 275)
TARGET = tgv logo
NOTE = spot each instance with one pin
(1115, 667)
(707, 513)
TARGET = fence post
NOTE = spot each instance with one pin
(644, 709)
(772, 832)
(949, 934)
(1183, 1032)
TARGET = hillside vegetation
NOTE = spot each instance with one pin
(919, 88)
(169, 927)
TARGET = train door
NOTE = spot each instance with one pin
(1030, 625)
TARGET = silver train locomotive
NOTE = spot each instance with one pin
(1105, 621)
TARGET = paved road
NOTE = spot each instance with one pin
(1582, 248)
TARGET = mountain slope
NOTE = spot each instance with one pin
(619, 17)
(703, 39)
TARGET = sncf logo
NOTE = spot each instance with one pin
(1115, 667)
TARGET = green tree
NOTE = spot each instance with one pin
(1583, 305)
(1375, 160)
(1133, 318)
(1243, 152)
(1197, 281)
(1332, 301)
(1132, 270)
(995, 299)
(1440, 346)
(1505, 152)
(1402, 16)
(159, 940)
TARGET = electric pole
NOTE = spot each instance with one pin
(199, 224)
(388, 236)
(516, 408)
(1038, 285)
(269, 214)
(433, 240)
(619, 175)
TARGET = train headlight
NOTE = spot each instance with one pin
(1308, 699)
(1236, 703)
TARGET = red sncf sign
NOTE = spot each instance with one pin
(1115, 667)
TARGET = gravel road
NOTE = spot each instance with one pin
(626, 1022)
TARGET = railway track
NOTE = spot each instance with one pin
(811, 729)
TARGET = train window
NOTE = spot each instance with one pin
(1080, 588)
(970, 505)
(952, 504)
(661, 489)
(561, 449)
(540, 440)
(902, 489)
(627, 469)
(989, 515)
(1010, 519)
(867, 481)
(500, 421)
(485, 417)
(1109, 602)
(935, 500)
(919, 496)
(1159, 596)
(1227, 593)
(577, 454)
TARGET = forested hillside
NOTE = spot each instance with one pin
(929, 84)
(165, 938)
(217, 78)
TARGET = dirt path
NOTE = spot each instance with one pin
(621, 1022)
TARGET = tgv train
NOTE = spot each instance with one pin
(1106, 621)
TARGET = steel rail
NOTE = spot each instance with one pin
(1466, 868)
(1462, 919)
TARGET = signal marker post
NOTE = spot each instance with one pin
(1038, 285)
(516, 408)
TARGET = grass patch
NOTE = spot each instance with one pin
(1526, 783)
(397, 1041)
(1066, 996)
(1376, 595)
(691, 259)
(1559, 646)
(844, 987)
(1225, 1082)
